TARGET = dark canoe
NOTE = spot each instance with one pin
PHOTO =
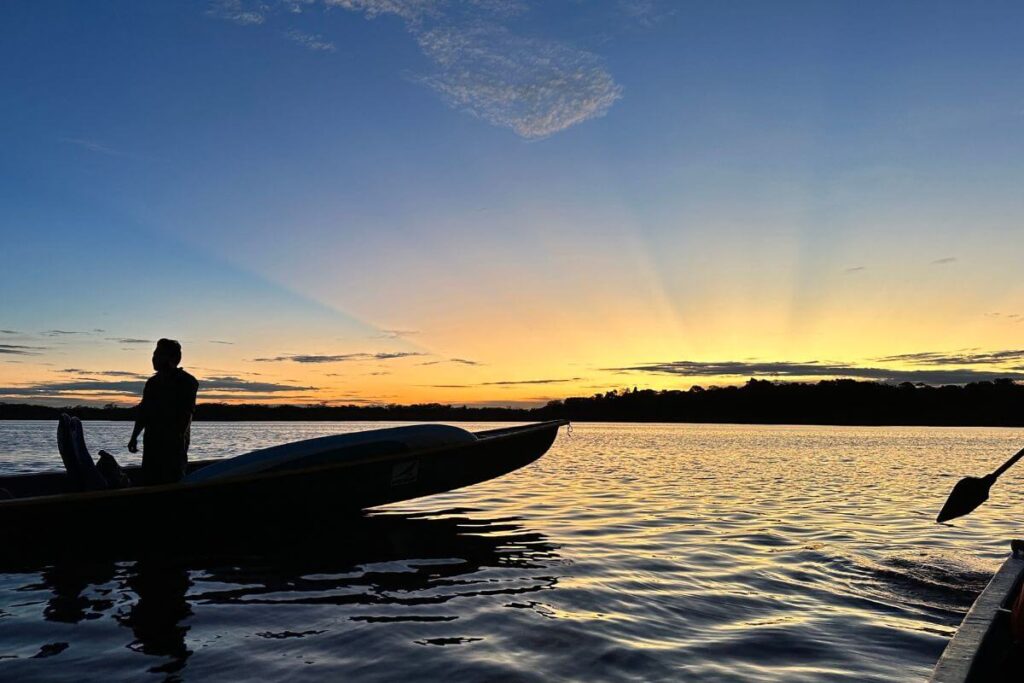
(982, 648)
(42, 512)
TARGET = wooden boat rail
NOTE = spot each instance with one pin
(964, 658)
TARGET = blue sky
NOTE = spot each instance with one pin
(553, 190)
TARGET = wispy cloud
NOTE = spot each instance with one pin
(687, 368)
(395, 334)
(506, 383)
(133, 387)
(410, 10)
(855, 269)
(92, 146)
(21, 350)
(218, 341)
(9, 332)
(647, 12)
(253, 397)
(504, 8)
(339, 358)
(1009, 317)
(376, 373)
(232, 383)
(103, 373)
(310, 41)
(944, 261)
(59, 333)
(355, 399)
(129, 340)
(533, 85)
(457, 361)
(969, 357)
(513, 382)
(243, 13)
(76, 387)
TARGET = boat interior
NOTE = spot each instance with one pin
(1000, 656)
(56, 483)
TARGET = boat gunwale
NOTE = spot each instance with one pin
(958, 660)
(482, 436)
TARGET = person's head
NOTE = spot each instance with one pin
(167, 355)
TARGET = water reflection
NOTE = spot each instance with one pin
(379, 568)
(691, 552)
(69, 583)
(157, 617)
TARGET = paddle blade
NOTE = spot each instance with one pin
(967, 495)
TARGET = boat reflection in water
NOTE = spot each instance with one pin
(341, 581)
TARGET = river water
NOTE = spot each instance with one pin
(629, 552)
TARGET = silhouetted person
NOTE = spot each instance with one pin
(168, 402)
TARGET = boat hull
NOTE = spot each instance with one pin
(225, 508)
(982, 648)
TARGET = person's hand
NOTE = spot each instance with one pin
(133, 445)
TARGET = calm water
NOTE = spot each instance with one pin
(642, 552)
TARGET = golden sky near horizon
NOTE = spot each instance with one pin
(509, 343)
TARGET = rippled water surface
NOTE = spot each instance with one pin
(643, 552)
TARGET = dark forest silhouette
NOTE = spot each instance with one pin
(839, 402)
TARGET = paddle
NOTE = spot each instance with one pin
(970, 492)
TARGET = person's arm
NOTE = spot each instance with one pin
(133, 443)
(140, 423)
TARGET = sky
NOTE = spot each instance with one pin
(503, 202)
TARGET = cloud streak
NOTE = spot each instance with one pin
(457, 361)
(506, 383)
(310, 41)
(244, 14)
(532, 85)
(92, 146)
(134, 387)
(20, 350)
(646, 12)
(313, 358)
(103, 373)
(232, 383)
(687, 368)
(961, 358)
(410, 10)
(396, 334)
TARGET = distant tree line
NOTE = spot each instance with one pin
(838, 402)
